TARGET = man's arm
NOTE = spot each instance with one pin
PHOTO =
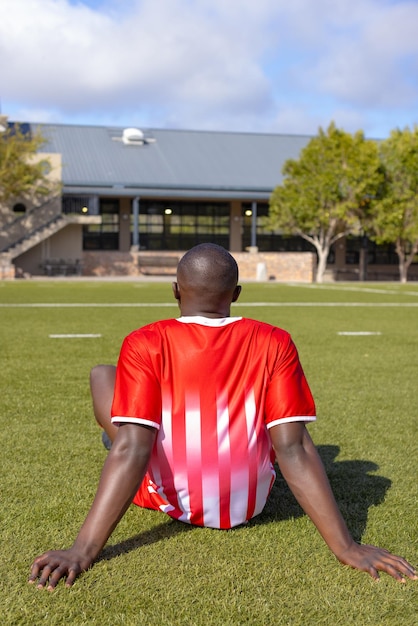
(304, 472)
(122, 473)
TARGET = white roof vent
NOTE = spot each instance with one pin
(133, 136)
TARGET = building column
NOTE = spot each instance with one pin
(135, 233)
(235, 226)
(125, 224)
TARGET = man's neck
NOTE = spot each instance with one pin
(192, 312)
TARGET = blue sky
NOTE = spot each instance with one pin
(244, 65)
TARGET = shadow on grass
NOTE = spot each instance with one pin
(168, 528)
(355, 490)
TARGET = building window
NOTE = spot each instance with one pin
(268, 240)
(103, 236)
(384, 254)
(176, 225)
(80, 205)
(19, 208)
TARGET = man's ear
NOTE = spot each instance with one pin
(236, 293)
(176, 291)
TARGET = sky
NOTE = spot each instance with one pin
(269, 66)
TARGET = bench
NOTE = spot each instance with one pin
(61, 267)
(158, 265)
(392, 276)
(345, 273)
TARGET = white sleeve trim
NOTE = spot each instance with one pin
(297, 418)
(117, 420)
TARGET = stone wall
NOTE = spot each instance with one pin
(7, 269)
(279, 266)
(110, 263)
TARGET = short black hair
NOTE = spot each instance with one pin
(208, 266)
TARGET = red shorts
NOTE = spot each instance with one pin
(148, 498)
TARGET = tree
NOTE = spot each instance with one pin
(395, 215)
(23, 175)
(325, 194)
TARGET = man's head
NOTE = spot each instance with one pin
(207, 278)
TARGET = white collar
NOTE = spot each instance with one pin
(207, 321)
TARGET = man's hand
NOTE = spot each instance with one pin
(122, 473)
(372, 560)
(50, 567)
(304, 472)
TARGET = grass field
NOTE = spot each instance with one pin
(157, 572)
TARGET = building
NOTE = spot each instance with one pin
(134, 200)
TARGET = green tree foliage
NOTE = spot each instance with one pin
(395, 215)
(325, 193)
(22, 175)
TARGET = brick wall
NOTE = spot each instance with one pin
(279, 266)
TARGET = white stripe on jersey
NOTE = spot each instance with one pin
(164, 444)
(240, 480)
(224, 449)
(193, 448)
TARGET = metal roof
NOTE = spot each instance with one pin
(170, 162)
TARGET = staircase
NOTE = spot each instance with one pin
(30, 225)
(36, 236)
(27, 231)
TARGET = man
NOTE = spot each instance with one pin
(198, 405)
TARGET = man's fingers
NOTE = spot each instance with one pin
(70, 572)
(34, 573)
(371, 559)
(38, 565)
(72, 575)
(399, 567)
(55, 577)
(395, 566)
(49, 568)
(44, 576)
(373, 572)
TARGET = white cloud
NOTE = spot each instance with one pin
(70, 55)
(371, 68)
(268, 65)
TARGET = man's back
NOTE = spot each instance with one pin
(211, 386)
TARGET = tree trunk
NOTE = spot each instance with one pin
(403, 268)
(322, 264)
(403, 263)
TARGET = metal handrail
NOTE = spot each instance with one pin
(19, 229)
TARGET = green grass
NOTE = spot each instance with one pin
(157, 572)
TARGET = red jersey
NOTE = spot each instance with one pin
(212, 388)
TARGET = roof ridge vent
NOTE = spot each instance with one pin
(133, 136)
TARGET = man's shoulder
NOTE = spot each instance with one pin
(266, 327)
(153, 328)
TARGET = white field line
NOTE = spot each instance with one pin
(356, 289)
(329, 304)
(75, 336)
(71, 305)
(358, 333)
(57, 305)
